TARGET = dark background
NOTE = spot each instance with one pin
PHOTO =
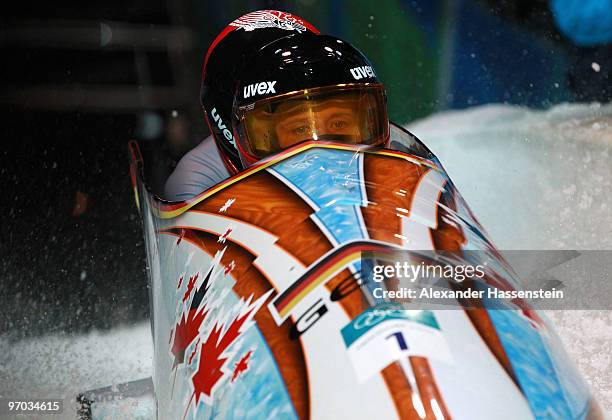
(80, 80)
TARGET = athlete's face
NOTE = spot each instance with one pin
(297, 122)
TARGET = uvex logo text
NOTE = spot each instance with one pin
(226, 133)
(259, 89)
(362, 71)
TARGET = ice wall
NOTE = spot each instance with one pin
(535, 179)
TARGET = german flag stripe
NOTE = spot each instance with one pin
(326, 267)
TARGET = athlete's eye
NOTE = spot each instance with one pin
(338, 124)
(301, 130)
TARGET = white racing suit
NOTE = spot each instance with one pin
(200, 168)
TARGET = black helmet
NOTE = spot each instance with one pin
(228, 52)
(307, 87)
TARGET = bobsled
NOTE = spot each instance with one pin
(263, 301)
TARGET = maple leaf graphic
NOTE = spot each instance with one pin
(188, 328)
(211, 356)
(242, 365)
(228, 268)
(193, 353)
(185, 332)
(227, 205)
(213, 350)
(190, 284)
(226, 235)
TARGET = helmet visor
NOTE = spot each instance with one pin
(355, 114)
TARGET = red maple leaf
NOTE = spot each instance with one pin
(193, 353)
(223, 237)
(211, 355)
(185, 332)
(228, 268)
(241, 365)
(190, 284)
